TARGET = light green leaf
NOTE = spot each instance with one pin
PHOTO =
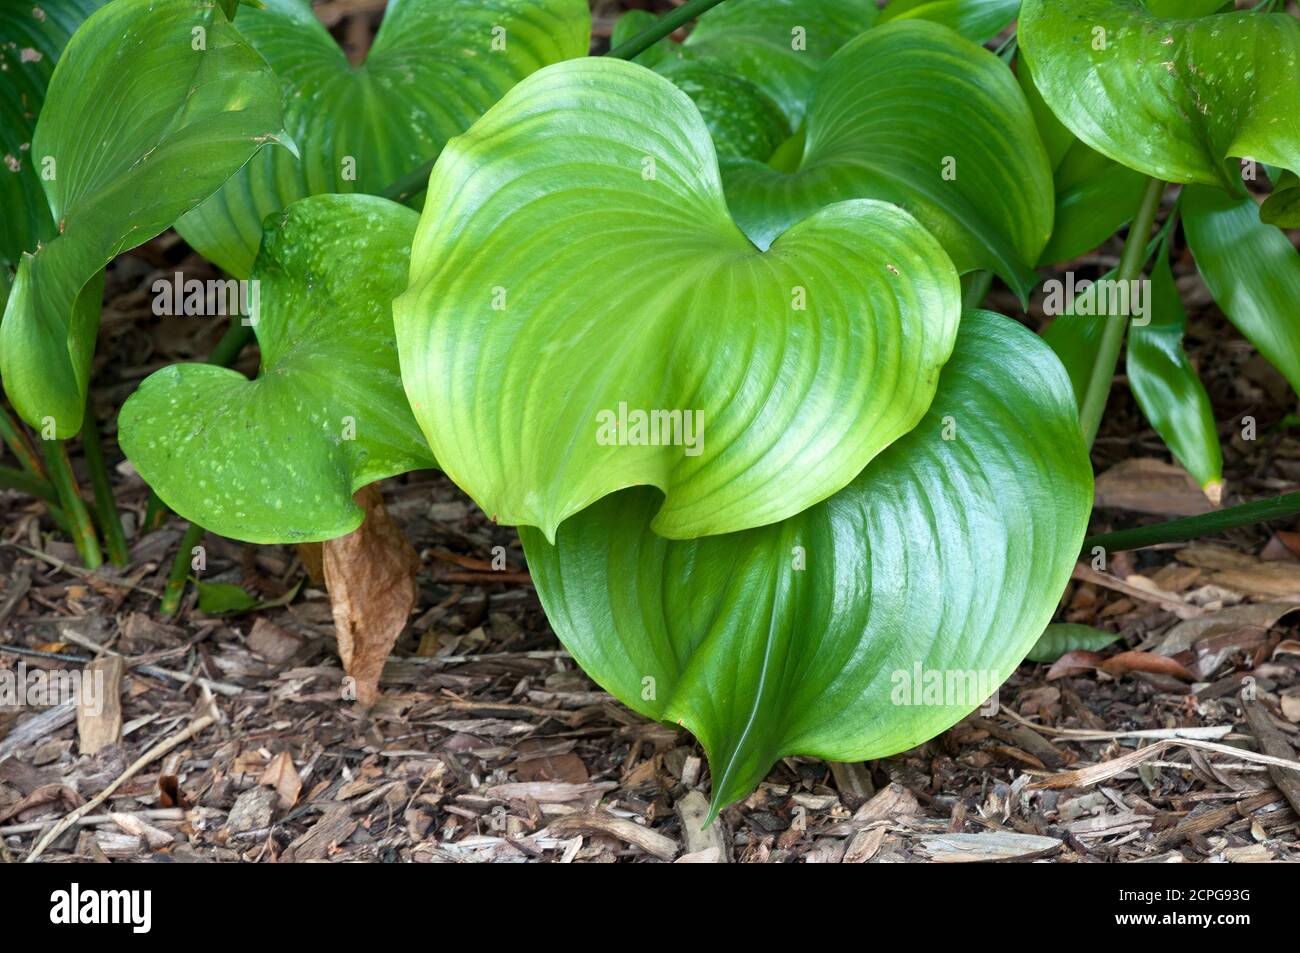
(911, 113)
(944, 559)
(742, 120)
(277, 459)
(1185, 8)
(1282, 208)
(131, 153)
(1251, 269)
(576, 267)
(1061, 637)
(1167, 387)
(433, 69)
(778, 45)
(977, 20)
(32, 37)
(1169, 98)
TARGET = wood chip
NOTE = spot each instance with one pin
(99, 705)
(602, 822)
(1272, 741)
(988, 846)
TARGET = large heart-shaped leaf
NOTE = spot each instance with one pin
(584, 316)
(1167, 387)
(32, 38)
(1171, 98)
(152, 106)
(1251, 269)
(913, 114)
(825, 634)
(433, 69)
(277, 459)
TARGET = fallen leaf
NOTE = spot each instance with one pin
(1258, 616)
(281, 776)
(1074, 663)
(1126, 662)
(1148, 485)
(370, 574)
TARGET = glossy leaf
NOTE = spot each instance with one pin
(1167, 387)
(277, 459)
(433, 69)
(129, 155)
(576, 266)
(911, 113)
(977, 20)
(819, 635)
(1282, 208)
(1061, 637)
(1169, 98)
(1251, 269)
(1095, 196)
(32, 37)
(778, 45)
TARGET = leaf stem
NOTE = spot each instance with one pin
(74, 507)
(1112, 337)
(15, 438)
(1191, 527)
(25, 482)
(171, 597)
(665, 25)
(975, 288)
(110, 521)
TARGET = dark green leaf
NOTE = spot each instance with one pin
(911, 113)
(130, 153)
(977, 20)
(1169, 98)
(1167, 387)
(1253, 271)
(821, 635)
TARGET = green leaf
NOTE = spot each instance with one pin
(32, 37)
(911, 113)
(1094, 196)
(433, 69)
(1169, 98)
(742, 120)
(1282, 208)
(633, 23)
(277, 459)
(1061, 637)
(576, 267)
(221, 598)
(1251, 269)
(977, 20)
(140, 126)
(1076, 339)
(1167, 387)
(778, 45)
(945, 556)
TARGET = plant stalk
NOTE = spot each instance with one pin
(32, 485)
(1112, 336)
(110, 521)
(15, 438)
(975, 289)
(74, 507)
(661, 28)
(1192, 527)
(171, 597)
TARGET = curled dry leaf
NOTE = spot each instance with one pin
(370, 574)
(1126, 662)
(1074, 663)
(283, 777)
